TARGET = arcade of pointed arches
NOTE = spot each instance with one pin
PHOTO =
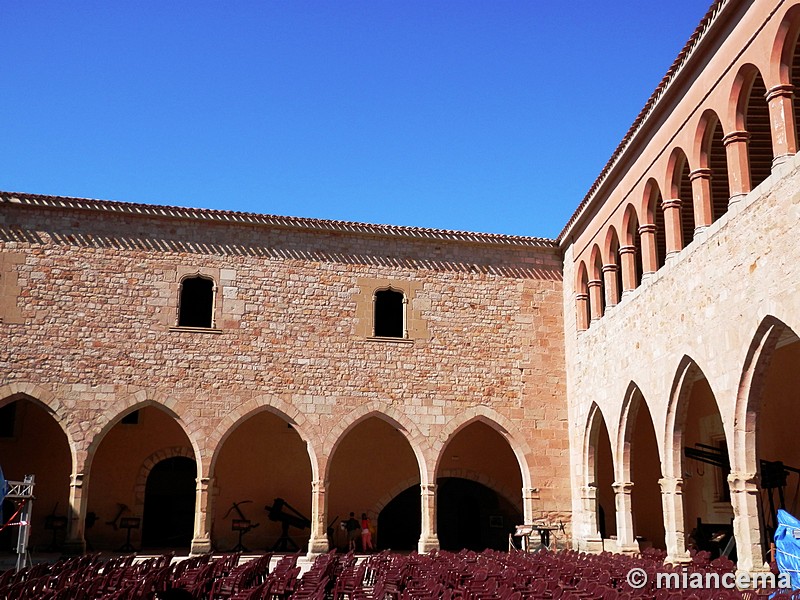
(159, 434)
(687, 491)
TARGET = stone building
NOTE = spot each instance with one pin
(181, 365)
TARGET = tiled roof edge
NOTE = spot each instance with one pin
(649, 107)
(301, 223)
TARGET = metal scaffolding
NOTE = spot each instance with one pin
(23, 492)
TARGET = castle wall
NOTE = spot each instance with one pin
(89, 311)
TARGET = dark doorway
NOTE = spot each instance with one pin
(400, 523)
(169, 502)
(473, 516)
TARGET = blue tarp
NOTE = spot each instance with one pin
(787, 545)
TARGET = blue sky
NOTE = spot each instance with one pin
(480, 115)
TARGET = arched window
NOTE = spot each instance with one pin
(389, 314)
(196, 307)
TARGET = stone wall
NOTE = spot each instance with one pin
(708, 306)
(89, 308)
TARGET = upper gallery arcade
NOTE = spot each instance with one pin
(181, 365)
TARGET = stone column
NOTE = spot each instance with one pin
(589, 530)
(672, 503)
(672, 226)
(203, 516)
(610, 281)
(738, 164)
(428, 540)
(746, 526)
(75, 542)
(581, 305)
(596, 299)
(627, 259)
(701, 199)
(529, 496)
(318, 542)
(781, 116)
(626, 539)
(647, 233)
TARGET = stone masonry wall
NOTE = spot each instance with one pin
(706, 304)
(88, 309)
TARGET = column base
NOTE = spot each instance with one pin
(317, 546)
(428, 544)
(629, 550)
(779, 160)
(74, 547)
(680, 558)
(736, 198)
(201, 546)
(592, 545)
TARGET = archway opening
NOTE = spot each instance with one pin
(601, 464)
(758, 126)
(648, 517)
(776, 425)
(120, 469)
(718, 163)
(263, 463)
(370, 466)
(168, 516)
(704, 468)
(478, 454)
(688, 222)
(400, 522)
(33, 443)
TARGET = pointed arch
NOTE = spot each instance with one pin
(632, 402)
(594, 424)
(407, 428)
(243, 412)
(129, 404)
(47, 401)
(496, 421)
(770, 332)
(677, 408)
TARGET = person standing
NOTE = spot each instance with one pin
(366, 533)
(353, 531)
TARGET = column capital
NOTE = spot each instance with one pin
(671, 203)
(647, 228)
(595, 283)
(76, 480)
(743, 482)
(588, 492)
(427, 488)
(735, 137)
(700, 174)
(627, 249)
(671, 485)
(581, 296)
(783, 90)
(622, 487)
(610, 268)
